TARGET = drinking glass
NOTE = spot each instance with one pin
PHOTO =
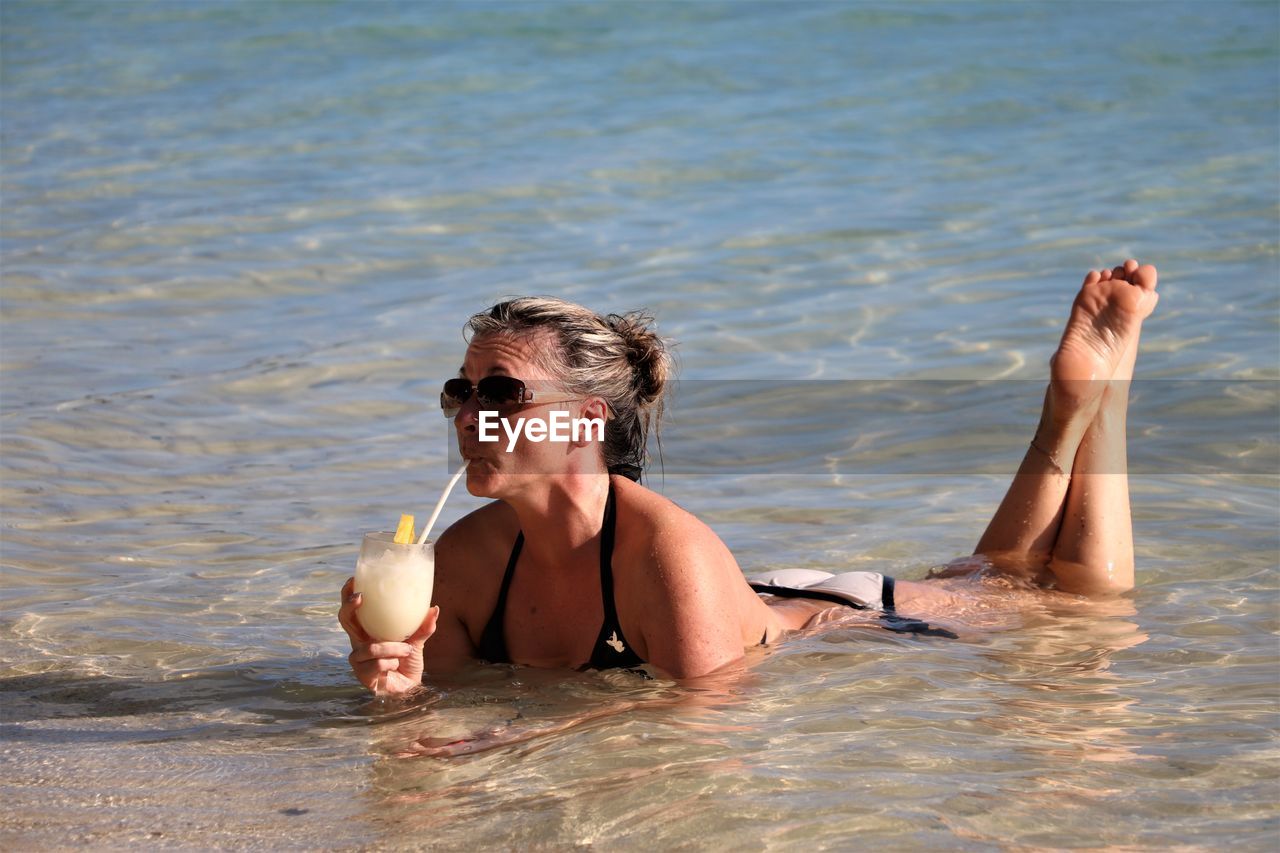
(395, 581)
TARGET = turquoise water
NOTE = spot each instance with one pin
(239, 243)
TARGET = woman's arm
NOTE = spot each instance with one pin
(692, 605)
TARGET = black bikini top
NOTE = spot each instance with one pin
(611, 649)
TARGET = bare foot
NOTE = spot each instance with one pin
(1144, 277)
(1100, 342)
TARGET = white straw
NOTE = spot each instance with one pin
(431, 522)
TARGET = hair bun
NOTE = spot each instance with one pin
(646, 352)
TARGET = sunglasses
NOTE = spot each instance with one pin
(492, 392)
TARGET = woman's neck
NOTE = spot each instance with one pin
(562, 516)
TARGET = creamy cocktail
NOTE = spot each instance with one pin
(394, 576)
(394, 580)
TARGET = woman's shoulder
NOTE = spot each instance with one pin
(473, 551)
(646, 505)
(471, 556)
(651, 522)
(492, 526)
(494, 513)
(680, 594)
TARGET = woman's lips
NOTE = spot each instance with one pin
(472, 454)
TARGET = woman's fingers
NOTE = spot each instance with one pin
(347, 614)
(373, 665)
(427, 628)
(378, 651)
(370, 660)
(369, 673)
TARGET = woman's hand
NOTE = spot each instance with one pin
(384, 668)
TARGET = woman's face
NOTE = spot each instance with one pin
(503, 467)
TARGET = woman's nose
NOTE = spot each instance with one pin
(468, 415)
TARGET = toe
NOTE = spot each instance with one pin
(1105, 275)
(1092, 278)
(1145, 277)
(1125, 271)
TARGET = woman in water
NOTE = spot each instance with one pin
(576, 565)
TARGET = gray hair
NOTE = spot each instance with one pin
(616, 357)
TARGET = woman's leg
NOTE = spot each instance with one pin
(1068, 505)
(1094, 551)
(1021, 535)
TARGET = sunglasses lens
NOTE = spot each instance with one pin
(492, 392)
(500, 391)
(455, 393)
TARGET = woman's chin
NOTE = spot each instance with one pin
(482, 477)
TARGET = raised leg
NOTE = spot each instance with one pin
(1021, 535)
(1067, 508)
(1094, 551)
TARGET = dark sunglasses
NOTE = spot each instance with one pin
(492, 392)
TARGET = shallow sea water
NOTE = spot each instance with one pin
(239, 243)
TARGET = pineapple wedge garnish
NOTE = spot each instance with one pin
(404, 531)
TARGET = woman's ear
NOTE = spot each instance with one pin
(594, 411)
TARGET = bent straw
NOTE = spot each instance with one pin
(431, 522)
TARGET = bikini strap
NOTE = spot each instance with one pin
(493, 642)
(510, 573)
(611, 649)
(606, 559)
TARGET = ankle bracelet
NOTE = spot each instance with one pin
(1053, 460)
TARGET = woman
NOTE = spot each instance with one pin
(575, 565)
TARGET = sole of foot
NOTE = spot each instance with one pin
(1100, 342)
